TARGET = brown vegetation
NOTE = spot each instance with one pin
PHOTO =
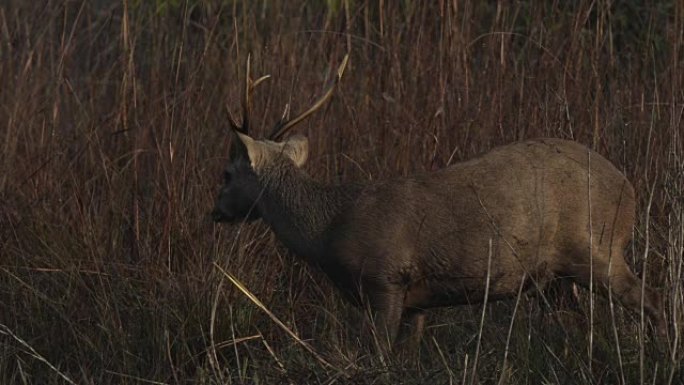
(113, 137)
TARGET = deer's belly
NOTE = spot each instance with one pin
(465, 290)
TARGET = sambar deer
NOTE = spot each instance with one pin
(535, 210)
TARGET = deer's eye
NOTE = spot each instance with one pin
(227, 177)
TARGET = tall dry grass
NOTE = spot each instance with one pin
(113, 135)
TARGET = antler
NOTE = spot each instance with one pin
(250, 85)
(285, 124)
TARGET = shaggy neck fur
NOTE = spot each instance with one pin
(300, 210)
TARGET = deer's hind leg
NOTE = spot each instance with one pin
(411, 328)
(613, 274)
(628, 289)
(385, 304)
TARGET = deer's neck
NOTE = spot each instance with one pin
(300, 210)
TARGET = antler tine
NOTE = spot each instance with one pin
(284, 125)
(246, 103)
(286, 112)
(250, 85)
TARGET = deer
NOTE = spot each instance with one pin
(479, 230)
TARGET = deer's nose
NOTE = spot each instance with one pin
(217, 215)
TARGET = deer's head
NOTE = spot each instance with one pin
(250, 158)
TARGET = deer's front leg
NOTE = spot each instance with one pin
(385, 303)
(411, 328)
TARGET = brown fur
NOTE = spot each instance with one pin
(408, 244)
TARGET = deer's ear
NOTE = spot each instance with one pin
(261, 153)
(254, 150)
(297, 149)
